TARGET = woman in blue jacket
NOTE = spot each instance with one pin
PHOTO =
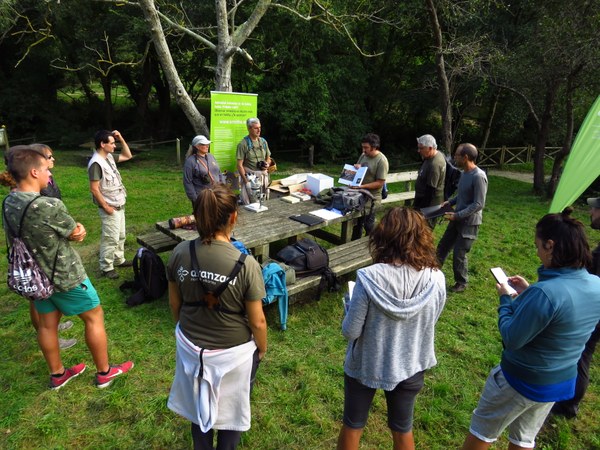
(544, 330)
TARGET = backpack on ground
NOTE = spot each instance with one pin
(25, 276)
(452, 178)
(150, 278)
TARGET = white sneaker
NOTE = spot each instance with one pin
(65, 325)
(64, 344)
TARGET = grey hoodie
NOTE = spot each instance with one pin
(390, 323)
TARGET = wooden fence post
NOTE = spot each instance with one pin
(178, 150)
(311, 156)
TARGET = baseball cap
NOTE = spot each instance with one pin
(594, 202)
(200, 140)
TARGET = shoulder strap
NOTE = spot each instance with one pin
(219, 290)
(5, 221)
(18, 235)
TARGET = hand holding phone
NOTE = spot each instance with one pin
(501, 278)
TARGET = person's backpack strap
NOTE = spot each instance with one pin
(18, 234)
(368, 197)
(211, 299)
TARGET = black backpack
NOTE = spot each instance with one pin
(150, 278)
(307, 258)
(347, 200)
(452, 178)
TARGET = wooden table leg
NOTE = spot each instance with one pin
(261, 253)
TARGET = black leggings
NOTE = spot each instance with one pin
(226, 439)
(400, 402)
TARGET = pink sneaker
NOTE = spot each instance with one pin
(103, 381)
(57, 382)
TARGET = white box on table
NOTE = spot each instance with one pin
(316, 182)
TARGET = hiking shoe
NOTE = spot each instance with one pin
(65, 325)
(125, 264)
(112, 274)
(103, 381)
(57, 382)
(64, 344)
(458, 287)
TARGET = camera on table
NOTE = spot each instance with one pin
(262, 165)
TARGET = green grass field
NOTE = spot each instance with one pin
(298, 399)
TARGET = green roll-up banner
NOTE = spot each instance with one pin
(583, 164)
(228, 114)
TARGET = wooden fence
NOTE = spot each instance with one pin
(501, 156)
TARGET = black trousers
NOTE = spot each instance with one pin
(570, 408)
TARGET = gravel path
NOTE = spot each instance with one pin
(519, 176)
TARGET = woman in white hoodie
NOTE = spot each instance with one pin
(390, 326)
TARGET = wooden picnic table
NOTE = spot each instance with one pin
(258, 230)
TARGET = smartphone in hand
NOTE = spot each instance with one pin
(501, 278)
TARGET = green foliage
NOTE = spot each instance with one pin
(297, 401)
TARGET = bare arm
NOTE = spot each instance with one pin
(258, 325)
(78, 233)
(175, 301)
(125, 154)
(95, 190)
(241, 170)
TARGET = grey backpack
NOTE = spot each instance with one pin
(25, 276)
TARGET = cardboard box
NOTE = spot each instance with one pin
(279, 190)
(316, 182)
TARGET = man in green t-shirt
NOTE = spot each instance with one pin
(429, 187)
(47, 230)
(377, 170)
(253, 159)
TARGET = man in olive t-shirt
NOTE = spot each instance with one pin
(377, 170)
(429, 187)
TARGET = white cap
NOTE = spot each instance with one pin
(200, 140)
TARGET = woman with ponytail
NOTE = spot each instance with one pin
(215, 295)
(544, 330)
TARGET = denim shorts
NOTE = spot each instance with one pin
(78, 300)
(500, 406)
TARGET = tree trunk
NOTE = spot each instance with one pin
(488, 126)
(223, 71)
(542, 137)
(445, 103)
(566, 148)
(108, 109)
(197, 120)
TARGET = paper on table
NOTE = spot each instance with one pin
(326, 214)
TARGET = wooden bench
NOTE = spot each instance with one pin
(157, 241)
(343, 259)
(401, 177)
